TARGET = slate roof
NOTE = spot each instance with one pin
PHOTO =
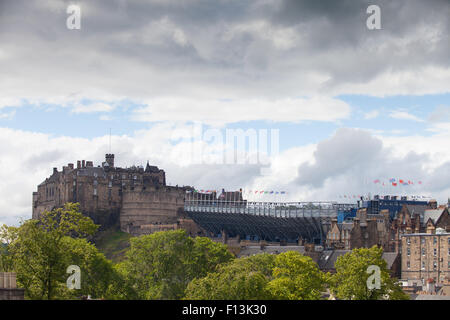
(433, 214)
(329, 258)
(417, 209)
(390, 258)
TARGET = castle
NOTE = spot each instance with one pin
(135, 199)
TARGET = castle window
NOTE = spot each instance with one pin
(110, 184)
(124, 176)
(423, 240)
(435, 265)
(95, 191)
(423, 252)
(408, 264)
(408, 252)
(408, 241)
(423, 265)
(434, 240)
(134, 177)
(435, 252)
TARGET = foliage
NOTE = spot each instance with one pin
(296, 277)
(350, 280)
(43, 249)
(7, 236)
(160, 265)
(240, 279)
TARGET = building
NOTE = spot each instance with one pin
(135, 199)
(418, 219)
(363, 231)
(8, 287)
(393, 204)
(426, 256)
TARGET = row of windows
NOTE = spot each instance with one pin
(422, 240)
(424, 252)
(423, 267)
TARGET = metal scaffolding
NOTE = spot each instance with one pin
(271, 221)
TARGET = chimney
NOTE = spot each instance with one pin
(55, 170)
(83, 164)
(89, 164)
(432, 204)
(78, 164)
(70, 166)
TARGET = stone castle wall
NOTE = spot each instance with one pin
(135, 199)
(142, 209)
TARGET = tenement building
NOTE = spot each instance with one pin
(137, 199)
(426, 256)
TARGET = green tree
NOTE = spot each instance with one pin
(7, 236)
(350, 280)
(42, 250)
(296, 277)
(160, 265)
(240, 279)
(97, 272)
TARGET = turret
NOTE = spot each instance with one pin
(109, 157)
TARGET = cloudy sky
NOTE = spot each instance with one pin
(351, 105)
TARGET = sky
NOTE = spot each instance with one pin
(164, 81)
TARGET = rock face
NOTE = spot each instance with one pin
(135, 199)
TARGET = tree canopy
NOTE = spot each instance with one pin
(161, 265)
(350, 280)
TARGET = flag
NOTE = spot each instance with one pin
(392, 180)
(394, 184)
(401, 181)
(420, 182)
(377, 181)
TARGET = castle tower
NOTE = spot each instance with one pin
(109, 157)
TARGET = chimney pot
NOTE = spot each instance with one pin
(83, 163)
(78, 164)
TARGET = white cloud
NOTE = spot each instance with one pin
(220, 112)
(92, 108)
(404, 115)
(372, 114)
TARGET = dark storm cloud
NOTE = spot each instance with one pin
(231, 48)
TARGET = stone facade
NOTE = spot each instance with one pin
(8, 287)
(136, 199)
(426, 256)
(418, 219)
(365, 231)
